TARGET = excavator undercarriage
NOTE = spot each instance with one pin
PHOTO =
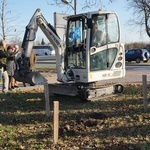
(86, 92)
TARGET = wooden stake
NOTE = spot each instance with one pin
(46, 93)
(56, 121)
(144, 80)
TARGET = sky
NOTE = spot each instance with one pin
(26, 8)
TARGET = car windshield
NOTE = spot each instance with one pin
(51, 47)
(130, 52)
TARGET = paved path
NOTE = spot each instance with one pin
(132, 76)
(51, 79)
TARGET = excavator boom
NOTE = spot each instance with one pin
(24, 74)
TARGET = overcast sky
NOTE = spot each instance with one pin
(26, 9)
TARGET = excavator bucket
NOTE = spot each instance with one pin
(33, 78)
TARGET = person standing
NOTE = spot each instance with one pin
(3, 56)
(10, 65)
(14, 83)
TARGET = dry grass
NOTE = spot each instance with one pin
(117, 123)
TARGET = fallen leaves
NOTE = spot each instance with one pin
(117, 123)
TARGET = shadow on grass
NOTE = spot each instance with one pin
(120, 104)
(15, 107)
(23, 101)
(110, 123)
(23, 107)
(129, 146)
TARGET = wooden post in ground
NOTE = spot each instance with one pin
(56, 122)
(145, 100)
(47, 104)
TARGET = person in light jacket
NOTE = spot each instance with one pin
(3, 56)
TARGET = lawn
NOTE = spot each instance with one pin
(115, 123)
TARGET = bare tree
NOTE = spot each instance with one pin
(3, 34)
(129, 46)
(73, 4)
(141, 14)
(8, 21)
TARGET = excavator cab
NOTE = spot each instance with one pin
(93, 48)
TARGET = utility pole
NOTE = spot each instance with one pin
(73, 7)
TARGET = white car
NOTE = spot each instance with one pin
(44, 50)
(41, 52)
(52, 50)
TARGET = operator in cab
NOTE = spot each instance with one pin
(96, 36)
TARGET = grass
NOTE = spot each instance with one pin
(134, 63)
(116, 123)
(46, 71)
(45, 68)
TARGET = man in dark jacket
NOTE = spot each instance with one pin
(3, 59)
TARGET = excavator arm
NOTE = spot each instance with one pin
(23, 73)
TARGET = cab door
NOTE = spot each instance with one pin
(106, 52)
